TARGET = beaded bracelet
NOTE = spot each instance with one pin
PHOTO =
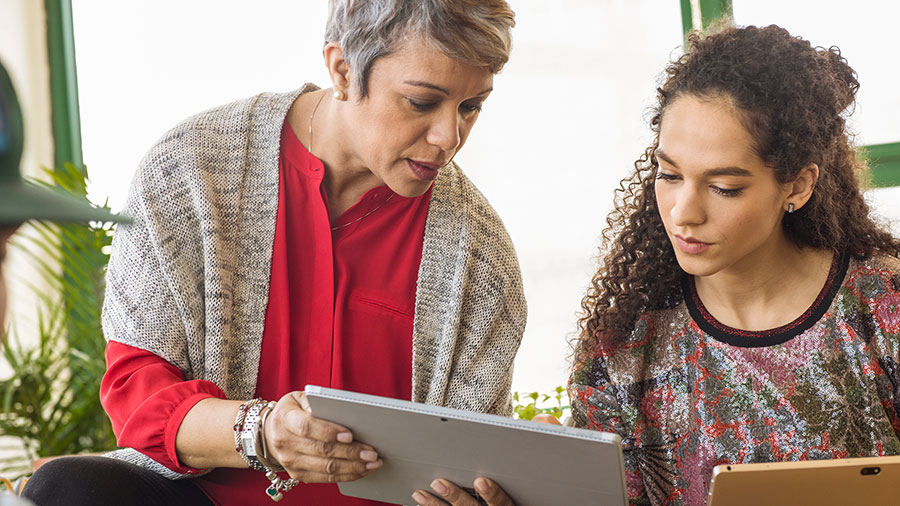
(247, 428)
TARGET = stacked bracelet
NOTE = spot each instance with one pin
(250, 443)
(239, 424)
(262, 447)
(278, 485)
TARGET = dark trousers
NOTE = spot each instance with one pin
(99, 481)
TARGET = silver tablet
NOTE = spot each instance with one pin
(536, 463)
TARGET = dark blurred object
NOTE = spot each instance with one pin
(20, 200)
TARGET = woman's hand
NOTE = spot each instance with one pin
(545, 418)
(313, 450)
(490, 493)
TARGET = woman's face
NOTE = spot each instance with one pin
(420, 108)
(720, 204)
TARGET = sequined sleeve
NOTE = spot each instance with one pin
(874, 289)
(595, 406)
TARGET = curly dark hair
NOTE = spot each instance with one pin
(792, 99)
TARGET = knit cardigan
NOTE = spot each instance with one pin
(189, 279)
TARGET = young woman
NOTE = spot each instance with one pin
(748, 307)
(315, 237)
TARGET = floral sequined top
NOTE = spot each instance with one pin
(687, 393)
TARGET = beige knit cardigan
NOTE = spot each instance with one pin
(189, 279)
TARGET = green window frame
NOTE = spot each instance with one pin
(884, 164)
(65, 114)
(699, 14)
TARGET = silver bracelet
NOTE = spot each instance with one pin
(239, 423)
(247, 427)
(248, 436)
(278, 485)
(262, 445)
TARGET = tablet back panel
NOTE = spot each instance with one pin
(537, 464)
(842, 482)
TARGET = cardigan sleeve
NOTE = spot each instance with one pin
(470, 303)
(188, 279)
(152, 380)
(492, 302)
(145, 305)
(146, 399)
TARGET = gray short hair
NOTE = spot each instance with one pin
(475, 32)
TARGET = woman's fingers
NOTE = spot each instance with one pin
(287, 444)
(313, 471)
(490, 493)
(288, 441)
(424, 498)
(301, 423)
(330, 465)
(295, 429)
(314, 450)
(313, 477)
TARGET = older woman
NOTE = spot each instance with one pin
(318, 236)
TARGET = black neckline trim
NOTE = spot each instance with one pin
(779, 335)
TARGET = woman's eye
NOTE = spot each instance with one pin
(726, 192)
(666, 177)
(420, 106)
(470, 108)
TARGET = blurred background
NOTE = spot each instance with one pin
(101, 80)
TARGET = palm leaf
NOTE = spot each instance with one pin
(51, 400)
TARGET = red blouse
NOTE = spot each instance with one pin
(340, 314)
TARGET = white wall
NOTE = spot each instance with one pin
(564, 125)
(866, 33)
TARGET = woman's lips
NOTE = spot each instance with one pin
(423, 170)
(690, 245)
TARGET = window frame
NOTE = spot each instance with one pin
(884, 164)
(65, 113)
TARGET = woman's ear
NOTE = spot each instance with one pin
(801, 188)
(338, 68)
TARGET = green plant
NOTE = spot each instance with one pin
(51, 401)
(525, 404)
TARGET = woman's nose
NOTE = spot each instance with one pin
(444, 132)
(687, 208)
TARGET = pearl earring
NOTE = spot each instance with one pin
(339, 95)
(790, 207)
